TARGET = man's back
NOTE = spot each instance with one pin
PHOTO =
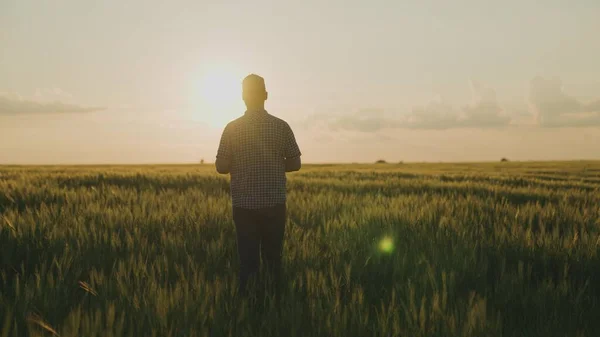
(257, 145)
(257, 150)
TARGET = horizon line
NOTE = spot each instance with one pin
(315, 163)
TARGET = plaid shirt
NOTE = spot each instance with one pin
(257, 145)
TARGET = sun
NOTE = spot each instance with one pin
(219, 94)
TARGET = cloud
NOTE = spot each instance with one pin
(362, 120)
(437, 115)
(13, 104)
(51, 95)
(362, 123)
(483, 112)
(552, 107)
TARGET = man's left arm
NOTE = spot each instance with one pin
(223, 162)
(292, 151)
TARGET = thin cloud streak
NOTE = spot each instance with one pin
(19, 106)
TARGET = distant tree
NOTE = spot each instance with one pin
(503, 159)
(401, 162)
(202, 161)
(381, 161)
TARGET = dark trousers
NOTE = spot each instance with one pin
(259, 234)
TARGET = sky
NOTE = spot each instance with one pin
(94, 82)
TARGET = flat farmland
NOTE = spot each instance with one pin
(471, 249)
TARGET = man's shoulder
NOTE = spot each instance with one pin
(271, 119)
(233, 123)
(278, 121)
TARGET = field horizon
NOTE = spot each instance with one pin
(315, 164)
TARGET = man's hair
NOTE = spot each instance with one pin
(254, 84)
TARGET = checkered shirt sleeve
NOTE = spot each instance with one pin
(292, 150)
(224, 151)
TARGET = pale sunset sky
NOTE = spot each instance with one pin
(134, 81)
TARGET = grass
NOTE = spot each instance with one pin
(496, 249)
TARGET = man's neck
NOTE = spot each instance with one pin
(255, 110)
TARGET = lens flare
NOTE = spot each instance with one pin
(386, 245)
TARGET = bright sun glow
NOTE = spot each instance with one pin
(220, 94)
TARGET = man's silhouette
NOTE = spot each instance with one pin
(257, 150)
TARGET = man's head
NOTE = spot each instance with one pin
(254, 92)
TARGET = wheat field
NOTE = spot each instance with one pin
(473, 249)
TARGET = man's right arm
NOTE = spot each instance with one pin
(223, 162)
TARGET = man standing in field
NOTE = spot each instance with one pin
(257, 150)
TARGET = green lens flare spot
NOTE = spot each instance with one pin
(386, 245)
